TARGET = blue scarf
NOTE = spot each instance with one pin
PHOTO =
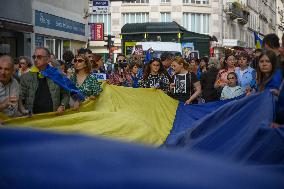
(64, 82)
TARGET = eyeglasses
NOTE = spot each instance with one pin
(79, 60)
(39, 57)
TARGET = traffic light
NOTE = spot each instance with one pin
(110, 42)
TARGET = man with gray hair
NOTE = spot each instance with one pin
(40, 93)
(9, 87)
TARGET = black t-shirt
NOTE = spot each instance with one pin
(43, 101)
(184, 86)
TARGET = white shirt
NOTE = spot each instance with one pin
(231, 92)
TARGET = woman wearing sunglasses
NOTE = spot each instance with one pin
(24, 65)
(87, 83)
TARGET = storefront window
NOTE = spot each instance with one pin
(7, 44)
(50, 44)
(66, 45)
(58, 49)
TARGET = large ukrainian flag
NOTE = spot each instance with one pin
(137, 115)
(237, 129)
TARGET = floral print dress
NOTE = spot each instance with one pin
(90, 86)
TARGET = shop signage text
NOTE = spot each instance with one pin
(58, 23)
(97, 31)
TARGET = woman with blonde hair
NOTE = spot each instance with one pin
(186, 88)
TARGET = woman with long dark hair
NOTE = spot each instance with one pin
(97, 63)
(209, 93)
(268, 75)
(229, 66)
(154, 77)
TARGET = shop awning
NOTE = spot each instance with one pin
(152, 27)
(15, 25)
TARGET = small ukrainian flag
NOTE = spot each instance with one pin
(258, 41)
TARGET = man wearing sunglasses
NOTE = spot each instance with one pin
(41, 94)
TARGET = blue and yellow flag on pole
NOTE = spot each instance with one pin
(258, 41)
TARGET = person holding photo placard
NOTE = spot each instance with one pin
(186, 88)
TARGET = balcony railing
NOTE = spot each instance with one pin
(233, 10)
(244, 17)
(237, 12)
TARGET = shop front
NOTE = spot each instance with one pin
(58, 34)
(15, 28)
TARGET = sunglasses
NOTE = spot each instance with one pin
(79, 60)
(155, 59)
(39, 57)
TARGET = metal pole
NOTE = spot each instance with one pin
(221, 24)
(221, 20)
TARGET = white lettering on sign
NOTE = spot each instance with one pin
(100, 76)
(99, 34)
(44, 20)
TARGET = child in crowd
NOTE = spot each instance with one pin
(231, 90)
(246, 74)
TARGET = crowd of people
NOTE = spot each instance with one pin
(49, 85)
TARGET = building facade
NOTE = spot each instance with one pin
(232, 22)
(15, 27)
(194, 15)
(59, 25)
(280, 18)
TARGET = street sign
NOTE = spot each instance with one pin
(97, 31)
(101, 6)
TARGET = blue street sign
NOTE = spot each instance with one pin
(100, 3)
